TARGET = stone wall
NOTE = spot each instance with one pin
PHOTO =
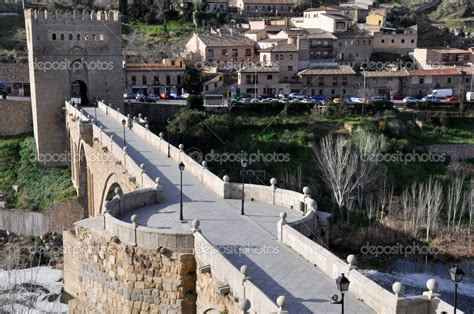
(59, 217)
(15, 117)
(106, 276)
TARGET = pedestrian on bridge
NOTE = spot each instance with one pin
(129, 122)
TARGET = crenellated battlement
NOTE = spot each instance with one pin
(78, 15)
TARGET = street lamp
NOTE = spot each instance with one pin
(457, 275)
(365, 86)
(343, 285)
(181, 169)
(243, 163)
(124, 139)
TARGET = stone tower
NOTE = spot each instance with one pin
(75, 55)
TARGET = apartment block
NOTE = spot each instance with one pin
(336, 81)
(434, 57)
(155, 78)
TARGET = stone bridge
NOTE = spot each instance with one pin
(133, 254)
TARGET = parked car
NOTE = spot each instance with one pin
(185, 95)
(129, 96)
(452, 99)
(164, 96)
(410, 99)
(357, 100)
(397, 97)
(318, 97)
(175, 96)
(431, 98)
(296, 96)
(441, 93)
(140, 97)
(152, 98)
(380, 98)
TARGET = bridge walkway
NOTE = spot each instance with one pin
(249, 239)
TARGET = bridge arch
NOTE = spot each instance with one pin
(108, 192)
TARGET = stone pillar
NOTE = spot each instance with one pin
(280, 225)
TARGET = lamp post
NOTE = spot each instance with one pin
(365, 86)
(181, 169)
(124, 139)
(457, 275)
(243, 163)
(343, 285)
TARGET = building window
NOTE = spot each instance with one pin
(235, 53)
(334, 80)
(412, 41)
(449, 80)
(53, 37)
(144, 79)
(290, 68)
(78, 37)
(168, 80)
(70, 37)
(321, 81)
(383, 41)
(291, 57)
(224, 53)
(422, 81)
(248, 52)
(403, 41)
(178, 80)
(156, 80)
(333, 91)
(269, 77)
(134, 80)
(344, 80)
(281, 57)
(62, 36)
(210, 53)
(276, 57)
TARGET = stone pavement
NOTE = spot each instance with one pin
(249, 239)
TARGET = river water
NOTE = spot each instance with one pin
(414, 274)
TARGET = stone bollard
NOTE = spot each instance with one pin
(281, 304)
(280, 225)
(181, 148)
(125, 156)
(273, 183)
(227, 187)
(105, 212)
(158, 195)
(135, 223)
(204, 167)
(398, 288)
(195, 226)
(111, 142)
(432, 286)
(119, 197)
(351, 260)
(142, 171)
(244, 305)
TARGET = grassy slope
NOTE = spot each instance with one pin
(38, 187)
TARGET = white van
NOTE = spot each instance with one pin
(470, 96)
(441, 93)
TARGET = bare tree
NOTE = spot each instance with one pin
(385, 196)
(368, 146)
(371, 207)
(454, 198)
(338, 163)
(433, 200)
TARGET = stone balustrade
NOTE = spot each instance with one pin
(227, 274)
